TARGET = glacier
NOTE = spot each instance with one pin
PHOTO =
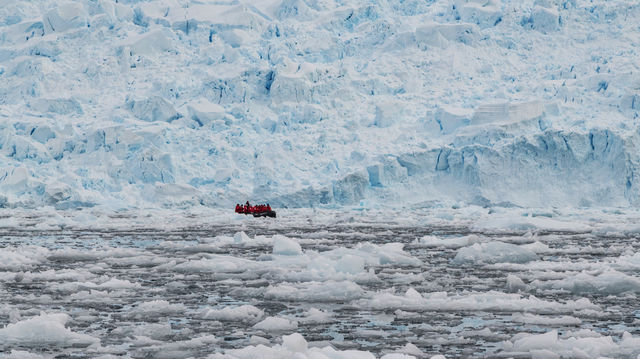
(319, 103)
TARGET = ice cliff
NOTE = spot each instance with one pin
(133, 103)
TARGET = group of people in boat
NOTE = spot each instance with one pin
(247, 208)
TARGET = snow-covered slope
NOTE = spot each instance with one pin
(319, 102)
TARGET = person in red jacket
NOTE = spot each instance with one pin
(238, 208)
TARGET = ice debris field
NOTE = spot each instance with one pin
(301, 103)
(460, 283)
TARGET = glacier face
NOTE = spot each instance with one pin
(319, 102)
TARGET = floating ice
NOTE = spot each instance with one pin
(293, 346)
(156, 308)
(275, 324)
(490, 301)
(609, 282)
(313, 291)
(286, 246)
(528, 318)
(448, 242)
(515, 284)
(243, 313)
(20, 354)
(21, 258)
(45, 330)
(494, 252)
(316, 316)
(549, 345)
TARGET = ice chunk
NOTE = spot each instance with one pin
(67, 16)
(545, 20)
(542, 341)
(157, 308)
(528, 318)
(157, 331)
(494, 252)
(316, 316)
(350, 189)
(387, 172)
(44, 330)
(295, 343)
(243, 313)
(543, 354)
(42, 134)
(60, 106)
(583, 345)
(154, 108)
(220, 264)
(173, 194)
(20, 354)
(150, 166)
(115, 11)
(411, 349)
(294, 346)
(449, 242)
(22, 257)
(412, 300)
(397, 356)
(324, 291)
(58, 191)
(388, 113)
(451, 118)
(115, 283)
(482, 13)
(153, 42)
(350, 264)
(205, 112)
(275, 324)
(538, 247)
(439, 35)
(515, 284)
(17, 180)
(286, 246)
(241, 237)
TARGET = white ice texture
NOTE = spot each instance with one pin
(147, 104)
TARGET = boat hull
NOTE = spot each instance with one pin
(271, 214)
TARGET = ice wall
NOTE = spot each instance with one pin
(318, 103)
